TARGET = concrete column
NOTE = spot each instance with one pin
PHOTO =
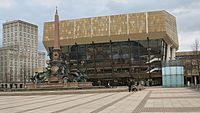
(147, 24)
(173, 53)
(195, 80)
(192, 80)
(168, 52)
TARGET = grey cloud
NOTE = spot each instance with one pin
(144, 5)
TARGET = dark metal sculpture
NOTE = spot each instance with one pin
(64, 74)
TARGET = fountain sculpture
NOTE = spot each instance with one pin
(57, 71)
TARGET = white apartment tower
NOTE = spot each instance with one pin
(19, 56)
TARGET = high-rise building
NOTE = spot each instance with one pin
(117, 48)
(19, 55)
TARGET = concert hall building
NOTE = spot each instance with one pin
(118, 48)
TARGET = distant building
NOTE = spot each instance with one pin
(190, 60)
(118, 48)
(19, 55)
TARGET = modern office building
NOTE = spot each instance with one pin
(19, 55)
(117, 48)
(191, 63)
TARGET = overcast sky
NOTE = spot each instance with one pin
(187, 13)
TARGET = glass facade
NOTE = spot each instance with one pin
(138, 61)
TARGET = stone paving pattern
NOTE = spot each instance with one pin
(150, 100)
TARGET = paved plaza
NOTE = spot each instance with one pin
(150, 100)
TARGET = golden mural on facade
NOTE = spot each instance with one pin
(171, 29)
(137, 23)
(83, 28)
(156, 21)
(118, 24)
(48, 31)
(67, 29)
(98, 28)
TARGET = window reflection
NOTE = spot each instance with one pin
(131, 58)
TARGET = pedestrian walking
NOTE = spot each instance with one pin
(129, 86)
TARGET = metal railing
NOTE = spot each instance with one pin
(172, 63)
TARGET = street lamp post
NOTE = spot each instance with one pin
(24, 81)
(24, 78)
(6, 80)
(149, 64)
(11, 79)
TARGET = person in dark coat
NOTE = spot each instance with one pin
(129, 86)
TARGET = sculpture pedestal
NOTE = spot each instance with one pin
(56, 86)
(53, 79)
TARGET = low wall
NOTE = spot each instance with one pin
(59, 85)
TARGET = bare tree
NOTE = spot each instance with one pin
(195, 48)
